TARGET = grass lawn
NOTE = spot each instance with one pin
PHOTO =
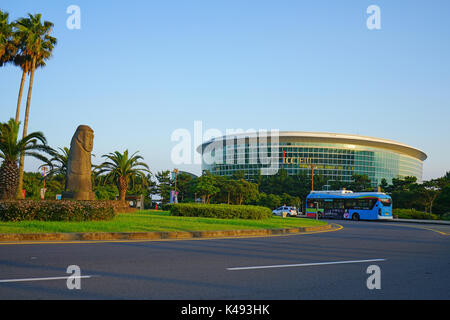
(150, 220)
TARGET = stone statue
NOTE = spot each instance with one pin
(78, 176)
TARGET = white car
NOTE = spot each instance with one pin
(290, 211)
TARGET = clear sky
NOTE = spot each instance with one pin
(138, 70)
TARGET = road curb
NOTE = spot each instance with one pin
(105, 236)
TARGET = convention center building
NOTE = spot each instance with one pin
(335, 156)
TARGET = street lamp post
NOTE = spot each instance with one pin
(44, 173)
(317, 210)
(312, 176)
(175, 171)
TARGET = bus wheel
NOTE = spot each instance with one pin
(355, 217)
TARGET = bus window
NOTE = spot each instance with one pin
(338, 204)
(386, 202)
(328, 204)
(350, 203)
(365, 204)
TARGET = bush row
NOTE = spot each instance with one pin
(61, 210)
(222, 211)
(413, 214)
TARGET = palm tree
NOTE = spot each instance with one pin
(10, 150)
(24, 61)
(36, 46)
(12, 51)
(121, 168)
(58, 164)
(9, 47)
(6, 36)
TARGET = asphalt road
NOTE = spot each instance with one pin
(413, 259)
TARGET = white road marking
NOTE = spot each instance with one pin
(304, 264)
(44, 279)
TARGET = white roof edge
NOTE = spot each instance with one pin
(325, 135)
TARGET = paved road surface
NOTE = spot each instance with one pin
(414, 261)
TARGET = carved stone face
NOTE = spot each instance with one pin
(85, 137)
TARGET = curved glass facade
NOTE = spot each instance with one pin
(334, 161)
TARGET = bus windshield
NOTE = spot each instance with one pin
(386, 202)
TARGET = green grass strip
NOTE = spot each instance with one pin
(149, 220)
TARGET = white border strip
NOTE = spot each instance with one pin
(44, 279)
(303, 264)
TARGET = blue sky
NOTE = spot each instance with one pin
(138, 70)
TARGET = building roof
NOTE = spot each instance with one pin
(349, 139)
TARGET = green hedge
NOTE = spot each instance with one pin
(166, 206)
(413, 214)
(61, 210)
(222, 211)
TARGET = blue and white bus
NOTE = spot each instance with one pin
(345, 204)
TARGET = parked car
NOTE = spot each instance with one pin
(290, 211)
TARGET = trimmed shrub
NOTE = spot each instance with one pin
(221, 211)
(61, 210)
(413, 214)
(166, 206)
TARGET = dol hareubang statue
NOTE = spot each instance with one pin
(78, 177)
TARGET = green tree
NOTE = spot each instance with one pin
(237, 175)
(430, 191)
(226, 187)
(291, 201)
(104, 189)
(401, 184)
(442, 205)
(338, 185)
(183, 184)
(105, 192)
(32, 184)
(405, 193)
(143, 186)
(383, 185)
(10, 150)
(243, 191)
(122, 169)
(36, 45)
(164, 186)
(277, 183)
(205, 187)
(361, 182)
(271, 201)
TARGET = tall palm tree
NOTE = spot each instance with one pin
(6, 36)
(11, 51)
(9, 47)
(24, 61)
(121, 168)
(37, 45)
(10, 150)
